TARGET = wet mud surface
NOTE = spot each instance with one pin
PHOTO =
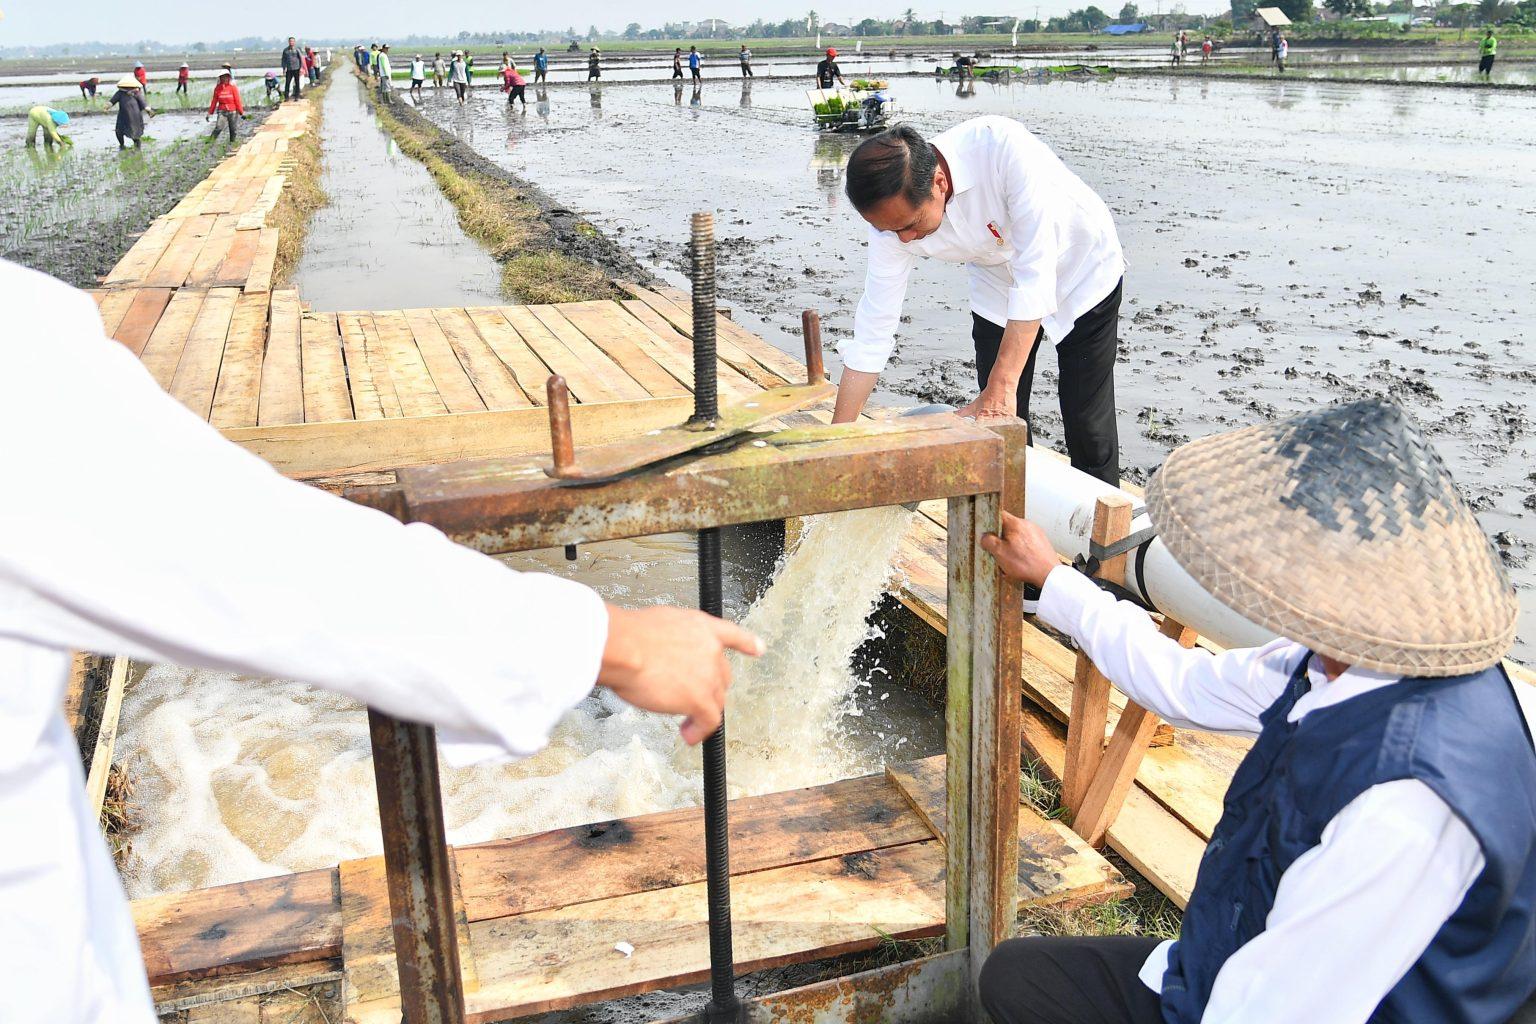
(73, 212)
(1289, 244)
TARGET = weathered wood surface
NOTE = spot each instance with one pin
(242, 927)
(654, 851)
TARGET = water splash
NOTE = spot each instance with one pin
(240, 778)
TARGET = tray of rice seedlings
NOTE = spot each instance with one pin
(868, 84)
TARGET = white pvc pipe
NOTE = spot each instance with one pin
(1061, 500)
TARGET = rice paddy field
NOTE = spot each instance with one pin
(72, 212)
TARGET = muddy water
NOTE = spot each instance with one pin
(1289, 243)
(387, 239)
(239, 778)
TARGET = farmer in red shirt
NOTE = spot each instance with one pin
(513, 84)
(182, 74)
(141, 75)
(226, 103)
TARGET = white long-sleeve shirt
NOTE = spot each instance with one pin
(1038, 243)
(129, 526)
(1353, 913)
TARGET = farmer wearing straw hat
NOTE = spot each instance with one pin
(226, 104)
(183, 75)
(131, 108)
(48, 121)
(1376, 857)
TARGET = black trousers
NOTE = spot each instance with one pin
(1070, 980)
(291, 84)
(1086, 363)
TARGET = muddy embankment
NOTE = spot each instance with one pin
(548, 252)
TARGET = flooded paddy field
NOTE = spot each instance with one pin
(1289, 242)
(72, 212)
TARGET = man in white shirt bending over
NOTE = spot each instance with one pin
(1043, 258)
(1376, 855)
(207, 557)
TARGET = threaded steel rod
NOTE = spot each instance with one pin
(717, 847)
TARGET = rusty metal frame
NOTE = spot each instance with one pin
(500, 506)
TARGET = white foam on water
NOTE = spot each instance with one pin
(239, 778)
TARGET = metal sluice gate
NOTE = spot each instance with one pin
(726, 467)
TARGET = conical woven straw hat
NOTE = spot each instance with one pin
(1342, 530)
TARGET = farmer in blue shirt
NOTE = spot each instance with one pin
(540, 65)
(693, 60)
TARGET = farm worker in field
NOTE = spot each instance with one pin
(1376, 857)
(1205, 49)
(273, 89)
(677, 62)
(540, 65)
(226, 105)
(458, 74)
(183, 74)
(292, 62)
(693, 62)
(88, 88)
(746, 61)
(1043, 259)
(1488, 49)
(439, 71)
(515, 85)
(312, 64)
(47, 121)
(1283, 52)
(131, 108)
(1176, 51)
(828, 70)
(360, 57)
(141, 75)
(385, 70)
(418, 75)
(594, 64)
(405, 622)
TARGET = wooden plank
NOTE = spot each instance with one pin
(1159, 846)
(656, 851)
(623, 339)
(367, 941)
(366, 401)
(552, 352)
(377, 358)
(197, 373)
(313, 450)
(282, 378)
(416, 392)
(171, 270)
(681, 319)
(616, 379)
(789, 367)
(233, 1011)
(143, 254)
(959, 660)
(732, 381)
(241, 927)
(235, 268)
(448, 374)
(495, 384)
(237, 400)
(564, 957)
(262, 262)
(106, 738)
(204, 270)
(522, 362)
(143, 315)
(1090, 689)
(162, 352)
(326, 397)
(113, 306)
(1052, 858)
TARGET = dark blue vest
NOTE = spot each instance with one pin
(1465, 738)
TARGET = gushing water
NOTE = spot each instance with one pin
(240, 778)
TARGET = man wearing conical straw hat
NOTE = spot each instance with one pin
(1376, 856)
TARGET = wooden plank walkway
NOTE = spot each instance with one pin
(218, 236)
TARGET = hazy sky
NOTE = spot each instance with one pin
(31, 22)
